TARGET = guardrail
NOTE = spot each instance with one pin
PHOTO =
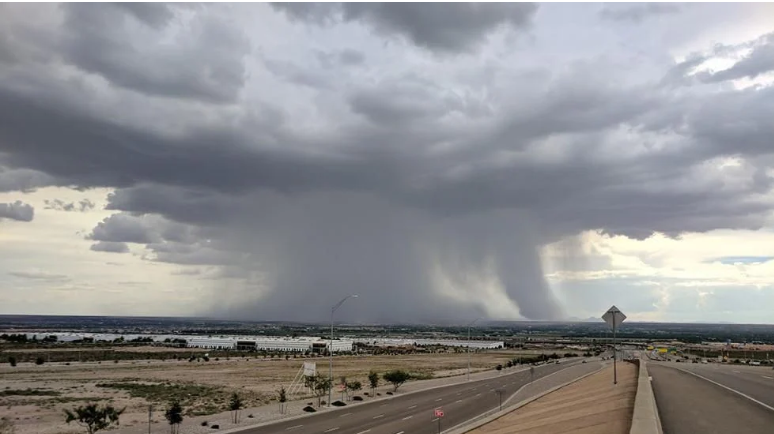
(645, 418)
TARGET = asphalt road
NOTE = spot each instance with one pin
(691, 405)
(412, 413)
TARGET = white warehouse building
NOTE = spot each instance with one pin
(384, 342)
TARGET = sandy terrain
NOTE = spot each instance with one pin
(204, 386)
(591, 406)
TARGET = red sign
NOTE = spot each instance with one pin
(438, 412)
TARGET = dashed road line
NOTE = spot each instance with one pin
(364, 432)
(459, 400)
(345, 414)
(434, 420)
(439, 399)
(477, 395)
(767, 377)
(407, 417)
(293, 427)
(412, 407)
(401, 432)
(332, 429)
(377, 417)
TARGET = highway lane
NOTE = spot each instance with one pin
(413, 413)
(690, 405)
(754, 381)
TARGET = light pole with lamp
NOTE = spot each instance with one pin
(470, 324)
(330, 349)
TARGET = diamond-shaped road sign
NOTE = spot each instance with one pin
(614, 317)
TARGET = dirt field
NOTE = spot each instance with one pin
(34, 396)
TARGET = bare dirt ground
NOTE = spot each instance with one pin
(34, 397)
(591, 406)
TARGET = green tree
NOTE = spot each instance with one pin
(12, 360)
(354, 386)
(235, 404)
(174, 416)
(283, 398)
(94, 417)
(373, 380)
(396, 377)
(39, 361)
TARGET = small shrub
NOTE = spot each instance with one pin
(216, 426)
(309, 409)
(115, 361)
(39, 361)
(389, 393)
(338, 404)
(12, 361)
(357, 398)
(250, 416)
(205, 423)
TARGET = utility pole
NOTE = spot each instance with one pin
(468, 346)
(150, 417)
(330, 348)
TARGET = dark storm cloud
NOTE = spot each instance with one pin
(17, 210)
(110, 247)
(23, 180)
(446, 27)
(156, 15)
(637, 12)
(208, 65)
(60, 205)
(123, 228)
(423, 194)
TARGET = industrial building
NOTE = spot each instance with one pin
(387, 342)
(258, 343)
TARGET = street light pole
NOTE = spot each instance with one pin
(468, 345)
(330, 347)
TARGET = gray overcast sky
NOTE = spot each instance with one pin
(444, 161)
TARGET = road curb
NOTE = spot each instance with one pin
(496, 414)
(645, 418)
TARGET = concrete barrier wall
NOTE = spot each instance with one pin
(645, 418)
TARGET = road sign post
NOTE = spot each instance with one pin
(531, 374)
(614, 317)
(438, 413)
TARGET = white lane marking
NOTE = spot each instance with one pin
(293, 427)
(477, 395)
(767, 377)
(412, 407)
(491, 390)
(730, 389)
(474, 388)
(735, 372)
(434, 420)
(363, 432)
(400, 432)
(345, 414)
(377, 417)
(459, 400)
(383, 405)
(439, 399)
(407, 417)
(459, 394)
(332, 429)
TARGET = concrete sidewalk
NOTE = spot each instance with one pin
(593, 405)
